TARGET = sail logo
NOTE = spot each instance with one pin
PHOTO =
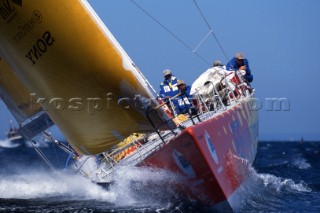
(26, 27)
(7, 9)
(211, 148)
(40, 47)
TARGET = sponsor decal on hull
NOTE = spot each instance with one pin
(183, 164)
(213, 151)
(211, 148)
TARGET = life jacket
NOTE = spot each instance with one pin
(169, 87)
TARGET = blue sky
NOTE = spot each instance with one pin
(281, 39)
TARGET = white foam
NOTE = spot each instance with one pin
(269, 181)
(136, 185)
(301, 163)
(8, 144)
(46, 184)
(282, 183)
(132, 186)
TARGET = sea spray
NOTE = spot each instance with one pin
(44, 184)
(143, 186)
(132, 186)
(264, 191)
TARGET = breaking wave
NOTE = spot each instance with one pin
(266, 191)
(279, 184)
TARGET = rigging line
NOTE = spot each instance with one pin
(171, 33)
(202, 41)
(211, 30)
(40, 153)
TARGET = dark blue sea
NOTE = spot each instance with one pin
(284, 178)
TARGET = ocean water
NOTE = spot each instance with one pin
(284, 178)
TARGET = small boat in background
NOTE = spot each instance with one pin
(14, 137)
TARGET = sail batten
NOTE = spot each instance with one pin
(84, 80)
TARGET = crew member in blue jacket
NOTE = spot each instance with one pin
(184, 101)
(239, 62)
(168, 88)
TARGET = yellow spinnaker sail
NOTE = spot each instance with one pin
(15, 95)
(82, 77)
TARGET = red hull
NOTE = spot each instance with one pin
(210, 155)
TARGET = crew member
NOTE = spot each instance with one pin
(183, 102)
(168, 88)
(239, 62)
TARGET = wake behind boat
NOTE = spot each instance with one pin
(209, 149)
